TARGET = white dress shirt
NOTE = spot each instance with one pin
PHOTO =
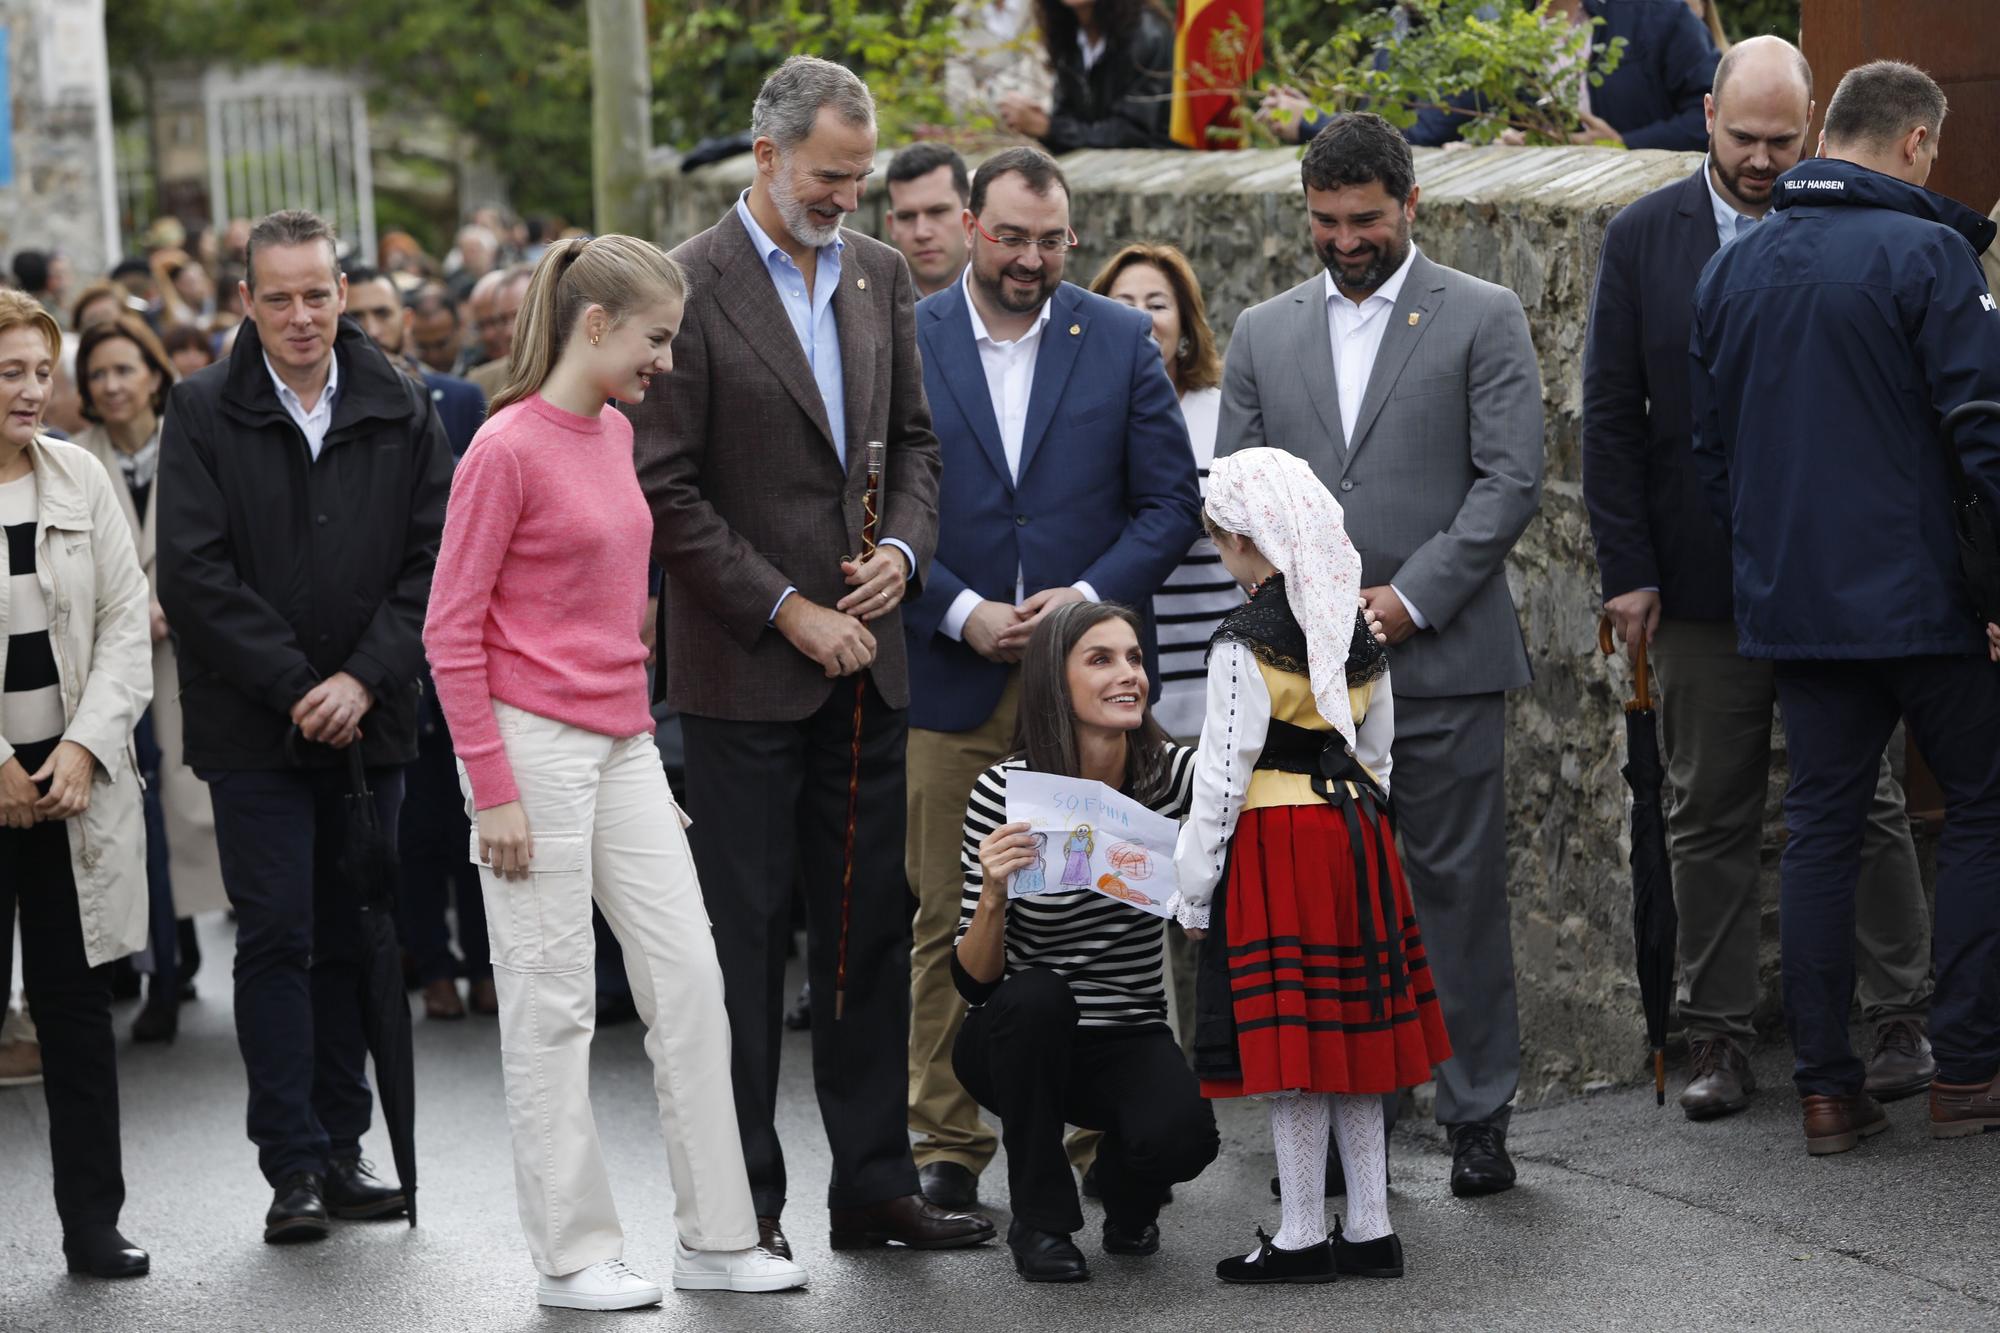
(1356, 334)
(1010, 381)
(314, 424)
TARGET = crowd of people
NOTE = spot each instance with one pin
(886, 526)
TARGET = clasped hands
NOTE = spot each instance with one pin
(68, 773)
(838, 637)
(331, 711)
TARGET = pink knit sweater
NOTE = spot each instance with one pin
(540, 585)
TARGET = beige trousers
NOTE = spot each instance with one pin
(1715, 729)
(605, 828)
(942, 767)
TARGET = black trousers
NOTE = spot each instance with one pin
(71, 1002)
(1833, 713)
(433, 841)
(298, 960)
(769, 803)
(1023, 1057)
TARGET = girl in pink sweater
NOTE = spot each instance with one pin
(533, 639)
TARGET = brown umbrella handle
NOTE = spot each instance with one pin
(1642, 671)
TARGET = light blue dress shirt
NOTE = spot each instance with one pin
(818, 334)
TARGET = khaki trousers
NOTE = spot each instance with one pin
(1715, 727)
(606, 829)
(943, 765)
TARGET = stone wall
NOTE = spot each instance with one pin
(1532, 220)
(60, 195)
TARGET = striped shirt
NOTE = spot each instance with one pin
(31, 706)
(1110, 954)
(1196, 596)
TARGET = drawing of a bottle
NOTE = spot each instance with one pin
(1032, 878)
(1076, 857)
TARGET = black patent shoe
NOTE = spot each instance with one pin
(1272, 1265)
(1381, 1257)
(948, 1185)
(103, 1252)
(298, 1210)
(353, 1193)
(1136, 1238)
(1479, 1160)
(1045, 1256)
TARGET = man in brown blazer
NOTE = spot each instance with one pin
(798, 347)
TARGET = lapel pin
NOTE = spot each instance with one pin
(861, 284)
(1415, 315)
(1075, 329)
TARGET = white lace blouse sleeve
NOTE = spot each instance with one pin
(1377, 732)
(1237, 719)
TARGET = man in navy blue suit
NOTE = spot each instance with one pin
(1666, 575)
(1067, 475)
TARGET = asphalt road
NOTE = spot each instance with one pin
(1627, 1216)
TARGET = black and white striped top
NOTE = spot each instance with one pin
(1110, 953)
(1195, 597)
(31, 707)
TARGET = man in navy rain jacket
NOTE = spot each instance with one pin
(1828, 343)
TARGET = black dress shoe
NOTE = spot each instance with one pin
(1381, 1257)
(102, 1252)
(1131, 1237)
(771, 1238)
(948, 1185)
(298, 1210)
(911, 1221)
(1045, 1256)
(352, 1192)
(1272, 1265)
(159, 1020)
(1479, 1161)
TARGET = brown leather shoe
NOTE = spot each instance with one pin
(1836, 1124)
(1902, 1065)
(441, 1000)
(911, 1221)
(1719, 1079)
(485, 1000)
(771, 1237)
(1959, 1109)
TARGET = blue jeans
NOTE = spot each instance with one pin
(1838, 716)
(299, 960)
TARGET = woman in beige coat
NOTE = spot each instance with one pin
(124, 373)
(75, 674)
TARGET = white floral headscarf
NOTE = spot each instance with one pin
(1274, 499)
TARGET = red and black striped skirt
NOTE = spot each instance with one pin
(1328, 983)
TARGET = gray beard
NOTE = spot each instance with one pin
(797, 220)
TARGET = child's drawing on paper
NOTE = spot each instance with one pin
(1076, 853)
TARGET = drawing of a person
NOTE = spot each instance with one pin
(1033, 878)
(1076, 852)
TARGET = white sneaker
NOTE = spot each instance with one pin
(734, 1270)
(606, 1286)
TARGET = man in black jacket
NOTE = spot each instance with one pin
(302, 493)
(1665, 567)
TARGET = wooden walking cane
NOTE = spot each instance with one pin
(870, 520)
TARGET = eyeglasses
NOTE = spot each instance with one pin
(1048, 245)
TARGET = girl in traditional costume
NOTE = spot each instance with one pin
(1313, 991)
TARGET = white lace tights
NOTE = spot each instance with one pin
(1299, 1130)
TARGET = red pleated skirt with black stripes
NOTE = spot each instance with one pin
(1325, 997)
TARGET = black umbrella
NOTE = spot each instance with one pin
(368, 866)
(1655, 926)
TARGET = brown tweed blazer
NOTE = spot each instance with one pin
(748, 496)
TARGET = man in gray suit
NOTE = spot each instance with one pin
(1413, 391)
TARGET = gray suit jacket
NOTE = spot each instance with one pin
(736, 456)
(1445, 467)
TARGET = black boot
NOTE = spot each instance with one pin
(102, 1252)
(1381, 1257)
(1271, 1264)
(353, 1193)
(298, 1210)
(1045, 1256)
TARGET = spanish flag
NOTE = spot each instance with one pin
(1219, 46)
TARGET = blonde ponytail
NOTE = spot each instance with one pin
(619, 273)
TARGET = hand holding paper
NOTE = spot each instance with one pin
(1091, 837)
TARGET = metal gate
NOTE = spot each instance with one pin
(291, 138)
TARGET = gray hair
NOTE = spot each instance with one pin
(1878, 103)
(291, 226)
(789, 103)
